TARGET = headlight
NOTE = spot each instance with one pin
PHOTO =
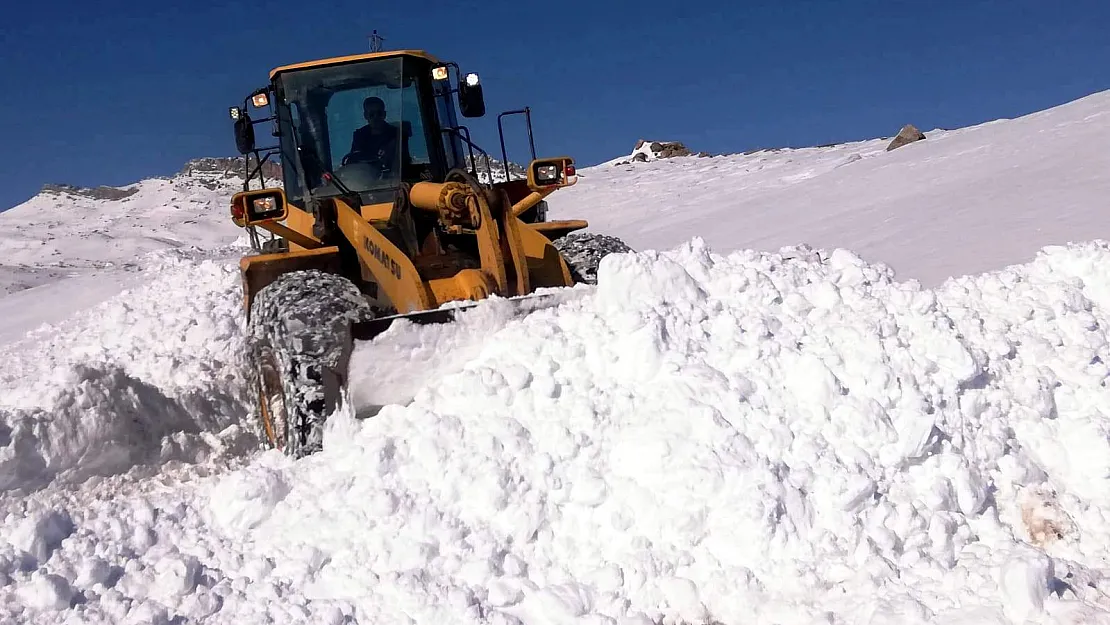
(546, 174)
(259, 206)
(264, 204)
(551, 173)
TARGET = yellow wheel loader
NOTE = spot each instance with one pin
(382, 214)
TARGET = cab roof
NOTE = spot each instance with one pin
(336, 60)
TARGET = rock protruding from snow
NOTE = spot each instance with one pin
(663, 149)
(93, 193)
(655, 150)
(492, 170)
(66, 231)
(907, 135)
(214, 173)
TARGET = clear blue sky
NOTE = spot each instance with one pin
(111, 91)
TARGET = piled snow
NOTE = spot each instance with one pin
(152, 374)
(750, 438)
(930, 210)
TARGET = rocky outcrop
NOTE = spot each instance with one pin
(209, 172)
(907, 135)
(662, 149)
(654, 150)
(95, 193)
(227, 167)
(213, 165)
(495, 167)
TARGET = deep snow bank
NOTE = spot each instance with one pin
(152, 374)
(755, 438)
(742, 439)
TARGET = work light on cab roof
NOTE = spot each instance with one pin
(382, 214)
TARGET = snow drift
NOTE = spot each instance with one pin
(152, 374)
(741, 438)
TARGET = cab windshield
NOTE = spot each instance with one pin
(361, 121)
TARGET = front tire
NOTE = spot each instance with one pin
(300, 341)
(583, 252)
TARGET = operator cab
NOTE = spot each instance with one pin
(361, 127)
(370, 122)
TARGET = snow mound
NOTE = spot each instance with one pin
(750, 438)
(788, 437)
(150, 375)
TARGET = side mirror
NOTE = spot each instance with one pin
(551, 173)
(250, 208)
(471, 101)
(244, 134)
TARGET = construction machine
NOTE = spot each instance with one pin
(382, 215)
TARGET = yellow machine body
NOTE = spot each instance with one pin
(503, 255)
(400, 219)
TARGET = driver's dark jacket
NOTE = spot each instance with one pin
(366, 146)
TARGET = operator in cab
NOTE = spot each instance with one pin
(377, 141)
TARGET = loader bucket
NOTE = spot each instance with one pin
(521, 306)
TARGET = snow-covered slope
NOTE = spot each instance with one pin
(788, 437)
(74, 228)
(960, 202)
(69, 248)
